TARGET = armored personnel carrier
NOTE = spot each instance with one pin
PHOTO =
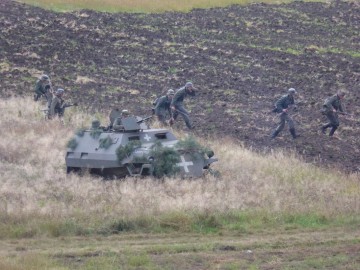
(128, 147)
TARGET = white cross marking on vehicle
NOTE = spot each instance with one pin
(185, 164)
(147, 138)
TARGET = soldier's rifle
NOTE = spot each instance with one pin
(70, 105)
(348, 116)
(144, 119)
(46, 111)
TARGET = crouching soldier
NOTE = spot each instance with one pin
(162, 107)
(282, 108)
(43, 88)
(57, 106)
(332, 106)
(177, 103)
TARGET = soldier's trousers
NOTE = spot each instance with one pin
(47, 95)
(333, 122)
(161, 118)
(284, 117)
(37, 95)
(179, 109)
(333, 119)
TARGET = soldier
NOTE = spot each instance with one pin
(331, 108)
(163, 106)
(42, 88)
(282, 108)
(177, 102)
(57, 106)
(125, 113)
(117, 125)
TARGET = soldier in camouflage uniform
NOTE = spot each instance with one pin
(57, 106)
(330, 109)
(162, 107)
(177, 103)
(43, 88)
(282, 108)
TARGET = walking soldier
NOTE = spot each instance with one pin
(332, 106)
(282, 108)
(162, 107)
(43, 88)
(177, 103)
(58, 105)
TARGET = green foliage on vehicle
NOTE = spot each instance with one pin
(191, 147)
(80, 132)
(72, 143)
(165, 160)
(124, 151)
(105, 142)
(95, 133)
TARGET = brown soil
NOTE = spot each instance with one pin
(241, 59)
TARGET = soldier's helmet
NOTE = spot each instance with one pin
(170, 92)
(44, 77)
(292, 91)
(189, 84)
(59, 91)
(125, 113)
(341, 93)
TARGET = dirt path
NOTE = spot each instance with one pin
(324, 249)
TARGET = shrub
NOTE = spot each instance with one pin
(105, 142)
(80, 132)
(95, 133)
(190, 146)
(165, 160)
(125, 151)
(72, 144)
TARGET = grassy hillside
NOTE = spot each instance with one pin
(272, 194)
(146, 6)
(38, 198)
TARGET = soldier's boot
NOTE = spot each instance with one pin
(323, 128)
(293, 133)
(332, 131)
(274, 134)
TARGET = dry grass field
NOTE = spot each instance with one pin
(50, 220)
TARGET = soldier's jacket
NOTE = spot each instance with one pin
(57, 106)
(163, 106)
(284, 102)
(333, 102)
(39, 87)
(180, 95)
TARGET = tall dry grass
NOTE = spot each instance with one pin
(34, 184)
(142, 5)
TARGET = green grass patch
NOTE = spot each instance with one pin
(86, 224)
(143, 6)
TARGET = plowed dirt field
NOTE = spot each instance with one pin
(241, 59)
